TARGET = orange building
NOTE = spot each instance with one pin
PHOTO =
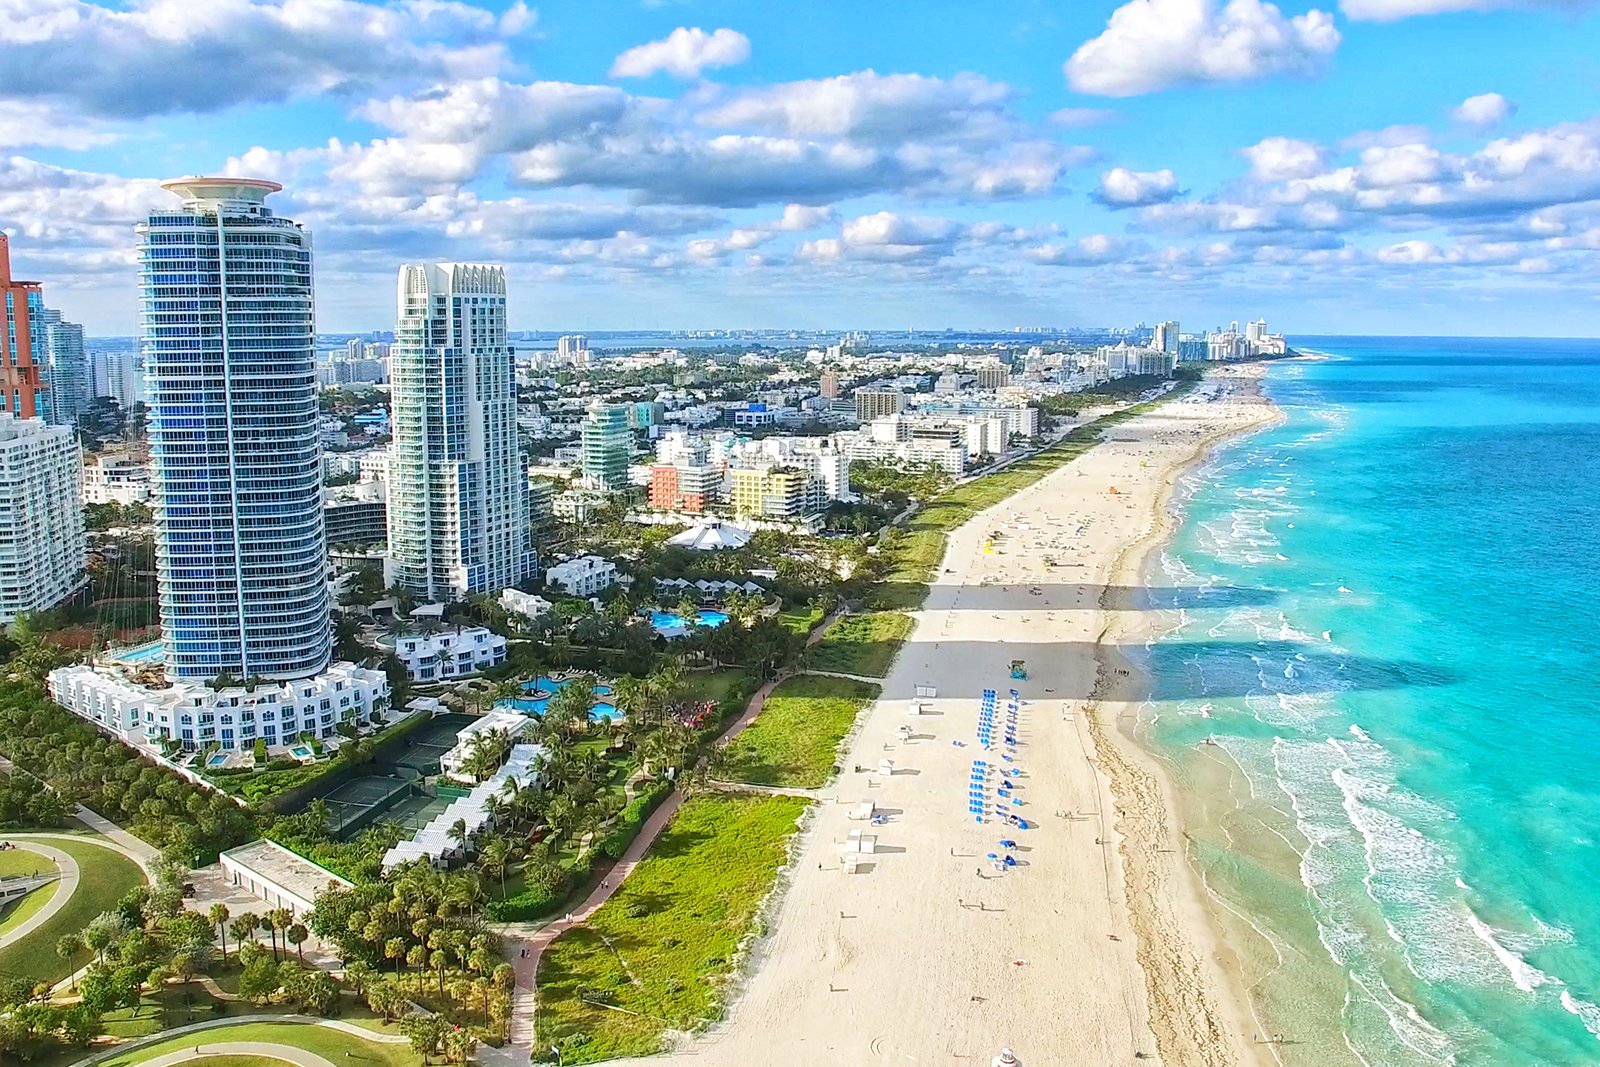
(686, 488)
(22, 346)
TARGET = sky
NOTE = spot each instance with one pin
(1363, 166)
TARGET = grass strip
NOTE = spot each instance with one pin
(794, 742)
(103, 877)
(658, 955)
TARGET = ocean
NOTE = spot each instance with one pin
(1375, 689)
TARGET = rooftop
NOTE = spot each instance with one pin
(291, 871)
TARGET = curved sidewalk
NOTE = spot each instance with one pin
(239, 1020)
(65, 886)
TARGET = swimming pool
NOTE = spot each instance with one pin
(546, 687)
(217, 759)
(145, 653)
(670, 624)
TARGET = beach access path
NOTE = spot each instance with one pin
(927, 954)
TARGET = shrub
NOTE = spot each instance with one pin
(620, 836)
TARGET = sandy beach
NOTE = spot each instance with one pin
(1095, 946)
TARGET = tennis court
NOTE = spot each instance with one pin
(359, 802)
(426, 744)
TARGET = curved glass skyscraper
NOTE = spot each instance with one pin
(458, 487)
(229, 369)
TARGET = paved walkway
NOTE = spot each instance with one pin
(137, 849)
(67, 884)
(289, 1053)
(868, 679)
(763, 790)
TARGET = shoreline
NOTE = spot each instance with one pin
(925, 954)
(1150, 820)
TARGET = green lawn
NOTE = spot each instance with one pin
(18, 912)
(723, 685)
(104, 876)
(19, 863)
(862, 644)
(802, 620)
(795, 739)
(662, 949)
(324, 1041)
(180, 1005)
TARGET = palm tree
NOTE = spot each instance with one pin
(493, 859)
(280, 919)
(218, 914)
(458, 833)
(67, 947)
(395, 949)
(296, 935)
(244, 927)
(437, 959)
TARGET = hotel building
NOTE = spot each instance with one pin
(42, 543)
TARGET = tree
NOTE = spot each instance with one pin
(459, 1045)
(494, 858)
(68, 946)
(296, 935)
(395, 949)
(259, 980)
(279, 919)
(244, 928)
(426, 1032)
(218, 914)
(437, 960)
(319, 992)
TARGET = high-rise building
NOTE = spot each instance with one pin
(876, 403)
(230, 365)
(607, 444)
(573, 350)
(1166, 338)
(42, 546)
(992, 374)
(458, 491)
(71, 377)
(23, 357)
(829, 385)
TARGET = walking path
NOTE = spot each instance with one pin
(867, 678)
(763, 790)
(62, 892)
(529, 951)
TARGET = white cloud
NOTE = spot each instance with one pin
(162, 56)
(871, 107)
(683, 53)
(805, 217)
(1149, 45)
(1077, 118)
(1484, 111)
(1120, 187)
(1390, 10)
(1275, 159)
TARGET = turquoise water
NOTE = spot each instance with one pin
(145, 653)
(546, 685)
(1381, 615)
(671, 624)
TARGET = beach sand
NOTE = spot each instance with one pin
(1097, 947)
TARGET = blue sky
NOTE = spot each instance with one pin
(1404, 166)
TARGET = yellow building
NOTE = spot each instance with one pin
(770, 493)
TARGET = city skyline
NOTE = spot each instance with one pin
(691, 166)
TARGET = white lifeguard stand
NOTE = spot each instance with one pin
(886, 767)
(927, 690)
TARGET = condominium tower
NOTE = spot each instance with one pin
(41, 521)
(241, 555)
(71, 377)
(458, 492)
(23, 363)
(607, 445)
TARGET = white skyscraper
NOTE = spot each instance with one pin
(42, 548)
(458, 495)
(241, 557)
(573, 349)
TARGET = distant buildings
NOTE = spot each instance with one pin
(783, 493)
(42, 546)
(71, 378)
(992, 374)
(876, 403)
(114, 479)
(357, 514)
(573, 350)
(458, 491)
(607, 446)
(829, 384)
(24, 350)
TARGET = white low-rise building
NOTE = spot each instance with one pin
(232, 717)
(509, 724)
(583, 576)
(528, 605)
(116, 480)
(282, 878)
(453, 653)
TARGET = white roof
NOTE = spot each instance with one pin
(710, 537)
